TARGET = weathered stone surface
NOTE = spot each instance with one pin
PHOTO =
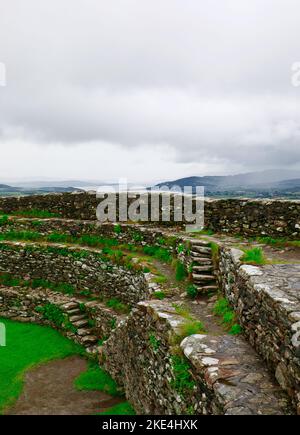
(229, 377)
(267, 302)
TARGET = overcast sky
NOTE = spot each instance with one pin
(148, 89)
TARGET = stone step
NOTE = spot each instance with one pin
(91, 304)
(74, 311)
(80, 323)
(202, 278)
(196, 256)
(205, 268)
(200, 243)
(89, 339)
(201, 250)
(76, 318)
(207, 289)
(202, 261)
(70, 305)
(83, 331)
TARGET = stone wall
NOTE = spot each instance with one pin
(26, 305)
(249, 217)
(202, 374)
(82, 268)
(266, 300)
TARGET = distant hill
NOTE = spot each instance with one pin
(256, 184)
(6, 190)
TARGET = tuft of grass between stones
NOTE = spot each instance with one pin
(254, 256)
(189, 326)
(183, 381)
(224, 310)
(118, 306)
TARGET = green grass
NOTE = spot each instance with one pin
(160, 295)
(181, 272)
(35, 213)
(183, 381)
(27, 346)
(160, 279)
(12, 281)
(118, 306)
(254, 256)
(4, 220)
(159, 253)
(224, 310)
(191, 327)
(192, 291)
(97, 379)
(123, 408)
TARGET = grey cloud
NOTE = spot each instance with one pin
(209, 79)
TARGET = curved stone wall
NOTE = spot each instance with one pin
(237, 216)
(80, 267)
(85, 322)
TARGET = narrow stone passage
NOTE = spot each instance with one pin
(49, 390)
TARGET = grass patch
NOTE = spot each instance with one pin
(180, 271)
(190, 326)
(254, 256)
(159, 295)
(97, 379)
(35, 213)
(160, 279)
(224, 310)
(118, 306)
(159, 253)
(27, 346)
(55, 314)
(192, 291)
(183, 381)
(121, 409)
(154, 342)
(11, 281)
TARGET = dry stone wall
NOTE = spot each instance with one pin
(84, 322)
(237, 216)
(267, 302)
(202, 374)
(69, 265)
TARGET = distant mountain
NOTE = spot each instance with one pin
(256, 184)
(6, 190)
(41, 184)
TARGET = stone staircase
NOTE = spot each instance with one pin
(203, 269)
(80, 321)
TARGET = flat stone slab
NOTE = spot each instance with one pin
(236, 375)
